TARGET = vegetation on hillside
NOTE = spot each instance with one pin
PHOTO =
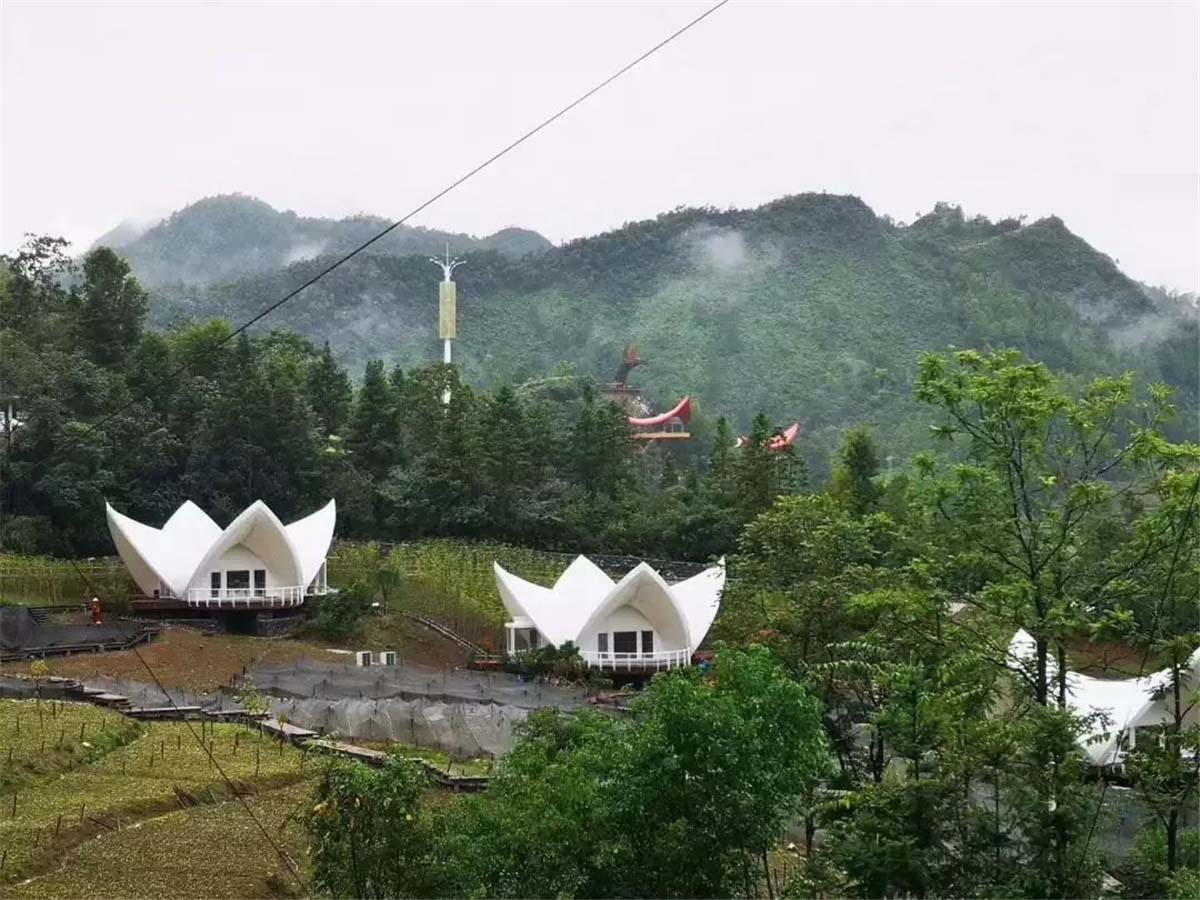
(233, 235)
(864, 692)
(144, 420)
(76, 772)
(809, 308)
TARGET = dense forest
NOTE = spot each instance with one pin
(224, 421)
(809, 308)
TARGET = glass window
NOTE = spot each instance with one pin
(625, 642)
(647, 643)
(237, 580)
(524, 639)
(215, 584)
(602, 643)
(260, 582)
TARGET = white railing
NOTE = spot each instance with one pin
(631, 662)
(248, 598)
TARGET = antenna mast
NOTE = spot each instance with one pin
(447, 307)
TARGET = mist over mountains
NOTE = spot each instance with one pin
(809, 308)
(229, 236)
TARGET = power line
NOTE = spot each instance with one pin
(427, 203)
(287, 860)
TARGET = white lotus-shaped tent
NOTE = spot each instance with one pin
(1116, 708)
(638, 622)
(257, 560)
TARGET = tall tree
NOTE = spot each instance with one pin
(374, 438)
(109, 309)
(329, 392)
(1036, 499)
(853, 480)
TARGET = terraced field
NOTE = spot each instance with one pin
(93, 804)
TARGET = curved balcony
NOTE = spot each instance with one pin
(246, 598)
(653, 661)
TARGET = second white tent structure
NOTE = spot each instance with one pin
(638, 623)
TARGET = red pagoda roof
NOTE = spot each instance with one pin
(682, 411)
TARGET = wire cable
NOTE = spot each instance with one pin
(280, 852)
(208, 348)
(287, 860)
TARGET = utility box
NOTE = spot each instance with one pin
(388, 658)
(362, 658)
(447, 311)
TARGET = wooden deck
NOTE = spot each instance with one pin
(140, 604)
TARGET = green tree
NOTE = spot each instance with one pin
(1034, 502)
(109, 309)
(368, 835)
(32, 298)
(681, 799)
(853, 480)
(329, 392)
(374, 437)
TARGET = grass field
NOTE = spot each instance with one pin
(62, 792)
(207, 851)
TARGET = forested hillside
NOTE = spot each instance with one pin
(227, 237)
(810, 308)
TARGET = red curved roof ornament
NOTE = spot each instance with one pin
(786, 439)
(778, 442)
(682, 411)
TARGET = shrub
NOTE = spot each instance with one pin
(1144, 872)
(339, 615)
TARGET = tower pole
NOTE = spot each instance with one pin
(447, 308)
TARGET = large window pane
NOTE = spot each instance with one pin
(625, 641)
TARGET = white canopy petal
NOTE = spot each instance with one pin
(312, 536)
(167, 555)
(644, 590)
(699, 598)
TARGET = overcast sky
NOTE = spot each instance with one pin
(1085, 110)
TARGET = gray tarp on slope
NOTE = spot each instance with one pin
(308, 679)
(19, 630)
(463, 712)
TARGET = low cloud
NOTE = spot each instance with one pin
(303, 250)
(721, 249)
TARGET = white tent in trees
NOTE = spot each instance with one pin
(1117, 708)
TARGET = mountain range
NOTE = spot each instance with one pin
(809, 308)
